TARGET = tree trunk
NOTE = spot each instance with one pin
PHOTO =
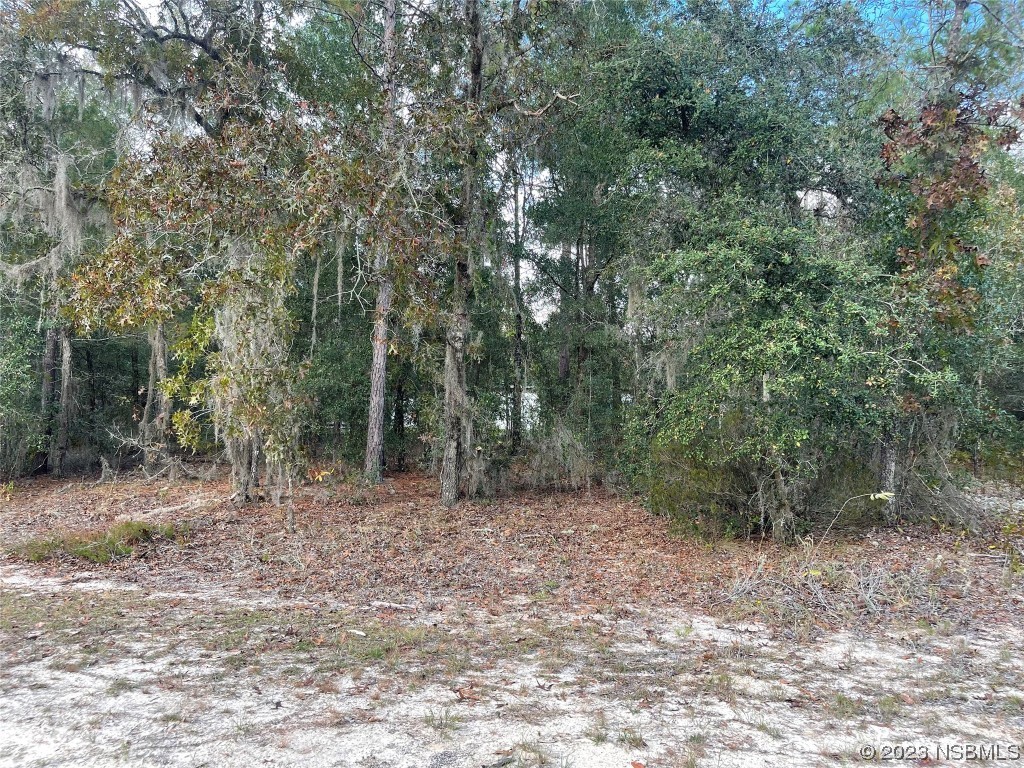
(61, 442)
(339, 268)
(398, 423)
(156, 416)
(378, 377)
(518, 346)
(564, 297)
(586, 284)
(613, 322)
(887, 461)
(373, 468)
(953, 42)
(316, 303)
(454, 398)
(48, 392)
(457, 417)
(518, 361)
(161, 426)
(783, 523)
(147, 410)
(138, 404)
(563, 366)
(244, 456)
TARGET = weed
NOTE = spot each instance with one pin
(960, 655)
(598, 732)
(631, 737)
(327, 686)
(457, 663)
(1014, 705)
(245, 729)
(721, 685)
(684, 632)
(647, 694)
(532, 754)
(845, 707)
(888, 708)
(121, 685)
(119, 541)
(767, 728)
(444, 722)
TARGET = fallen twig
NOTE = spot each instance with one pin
(377, 604)
(193, 504)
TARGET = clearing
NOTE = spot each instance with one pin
(544, 629)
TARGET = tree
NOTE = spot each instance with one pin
(754, 310)
(936, 172)
(199, 66)
(497, 75)
(754, 258)
(57, 146)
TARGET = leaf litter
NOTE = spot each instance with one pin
(548, 629)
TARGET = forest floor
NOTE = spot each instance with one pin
(565, 629)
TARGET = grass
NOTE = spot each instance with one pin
(121, 685)
(845, 707)
(632, 737)
(240, 637)
(837, 584)
(532, 753)
(119, 541)
(1013, 705)
(767, 728)
(444, 722)
(85, 628)
(598, 732)
(888, 707)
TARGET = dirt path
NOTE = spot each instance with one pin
(99, 672)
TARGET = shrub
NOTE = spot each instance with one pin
(119, 541)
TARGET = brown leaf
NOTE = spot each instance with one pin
(466, 693)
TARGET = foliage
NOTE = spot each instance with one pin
(745, 257)
(19, 416)
(121, 540)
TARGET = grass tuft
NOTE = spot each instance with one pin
(445, 721)
(632, 737)
(119, 541)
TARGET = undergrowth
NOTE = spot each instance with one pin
(802, 590)
(124, 539)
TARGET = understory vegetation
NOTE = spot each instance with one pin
(760, 264)
(120, 540)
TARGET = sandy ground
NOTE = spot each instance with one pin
(97, 672)
(539, 629)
